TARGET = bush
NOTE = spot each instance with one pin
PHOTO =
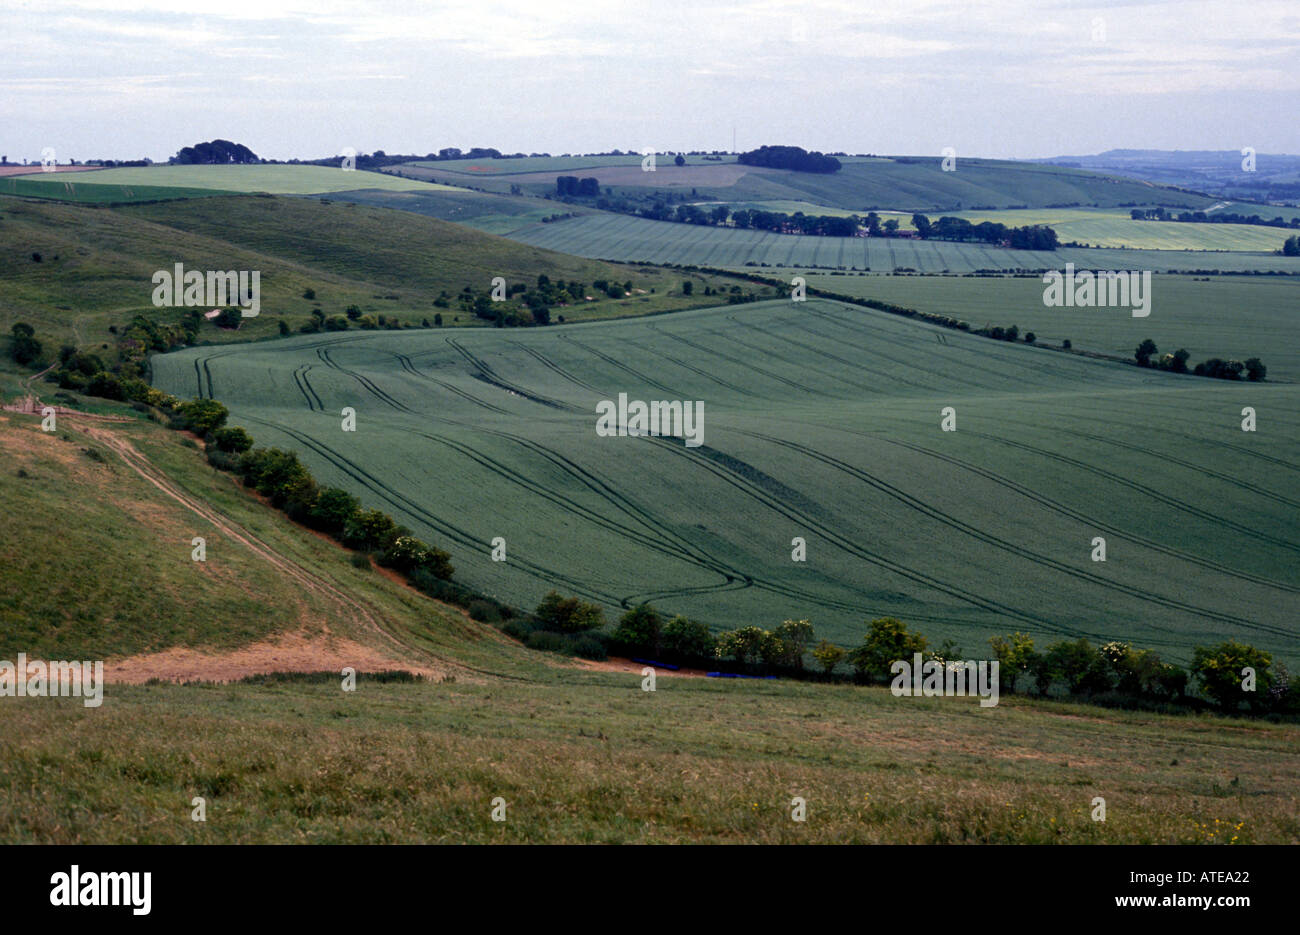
(233, 439)
(518, 629)
(588, 646)
(639, 631)
(887, 641)
(568, 615)
(828, 655)
(547, 641)
(105, 386)
(1218, 669)
(360, 560)
(203, 415)
(743, 645)
(484, 612)
(683, 638)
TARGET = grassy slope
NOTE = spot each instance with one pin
(122, 581)
(592, 758)
(385, 261)
(275, 179)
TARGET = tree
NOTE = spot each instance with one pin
(828, 655)
(687, 287)
(25, 348)
(887, 641)
(679, 160)
(1291, 247)
(1015, 655)
(792, 637)
(683, 638)
(1255, 370)
(639, 630)
(332, 510)
(567, 614)
(233, 439)
(743, 645)
(370, 531)
(204, 415)
(353, 312)
(1219, 670)
(1144, 352)
(1030, 337)
(1081, 667)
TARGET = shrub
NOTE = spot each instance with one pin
(887, 641)
(546, 641)
(639, 630)
(332, 510)
(232, 439)
(1219, 671)
(828, 655)
(360, 560)
(105, 386)
(484, 612)
(567, 615)
(683, 638)
(204, 415)
(790, 641)
(744, 645)
(518, 629)
(588, 646)
(1015, 655)
(1030, 337)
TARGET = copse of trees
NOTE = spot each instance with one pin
(794, 158)
(1203, 217)
(214, 152)
(573, 187)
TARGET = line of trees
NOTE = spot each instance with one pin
(1202, 217)
(1115, 673)
(1148, 355)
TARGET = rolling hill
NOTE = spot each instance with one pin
(822, 422)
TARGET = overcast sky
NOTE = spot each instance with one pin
(309, 77)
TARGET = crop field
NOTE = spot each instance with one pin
(820, 421)
(492, 214)
(562, 164)
(903, 183)
(54, 189)
(1238, 317)
(621, 237)
(274, 179)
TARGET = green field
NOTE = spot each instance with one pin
(492, 214)
(899, 182)
(1244, 317)
(274, 179)
(621, 237)
(822, 421)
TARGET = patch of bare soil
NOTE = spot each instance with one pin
(295, 652)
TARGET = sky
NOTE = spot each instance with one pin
(126, 79)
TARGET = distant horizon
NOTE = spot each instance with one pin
(1011, 79)
(424, 153)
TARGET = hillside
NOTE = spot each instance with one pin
(125, 588)
(95, 264)
(913, 183)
